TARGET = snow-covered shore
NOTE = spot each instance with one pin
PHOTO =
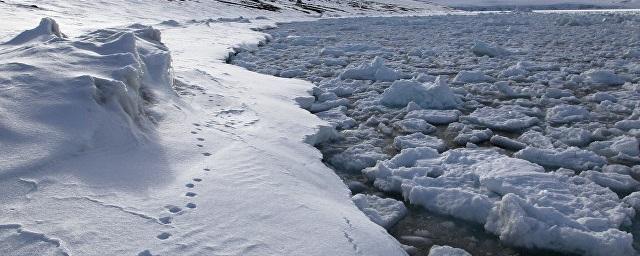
(122, 139)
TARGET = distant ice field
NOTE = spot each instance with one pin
(524, 124)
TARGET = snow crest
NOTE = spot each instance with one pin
(84, 93)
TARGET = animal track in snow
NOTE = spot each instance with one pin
(165, 220)
(175, 209)
(190, 194)
(206, 154)
(163, 236)
(145, 253)
(191, 205)
(189, 185)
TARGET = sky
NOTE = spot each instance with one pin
(525, 2)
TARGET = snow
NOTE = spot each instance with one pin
(519, 222)
(507, 143)
(464, 183)
(418, 139)
(483, 49)
(412, 125)
(472, 77)
(375, 70)
(47, 29)
(337, 118)
(358, 157)
(604, 77)
(622, 148)
(147, 128)
(120, 141)
(382, 211)
(570, 158)
(436, 95)
(437, 250)
(131, 67)
(620, 183)
(435, 117)
(563, 114)
(529, 139)
(503, 118)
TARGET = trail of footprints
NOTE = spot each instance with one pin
(189, 186)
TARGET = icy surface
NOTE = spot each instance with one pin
(447, 251)
(124, 132)
(436, 95)
(557, 93)
(383, 211)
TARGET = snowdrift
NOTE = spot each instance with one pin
(63, 96)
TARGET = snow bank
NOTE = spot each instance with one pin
(118, 74)
(435, 95)
(46, 30)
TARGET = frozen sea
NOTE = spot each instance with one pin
(503, 134)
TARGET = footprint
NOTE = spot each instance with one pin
(207, 169)
(190, 194)
(190, 185)
(196, 124)
(206, 154)
(200, 139)
(175, 209)
(145, 253)
(197, 179)
(194, 132)
(163, 236)
(191, 205)
(165, 220)
(199, 145)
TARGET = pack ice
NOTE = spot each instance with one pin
(524, 123)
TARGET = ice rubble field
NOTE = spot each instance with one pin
(125, 139)
(526, 124)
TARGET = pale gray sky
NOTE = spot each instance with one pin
(525, 2)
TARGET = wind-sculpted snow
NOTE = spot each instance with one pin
(93, 91)
(524, 123)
